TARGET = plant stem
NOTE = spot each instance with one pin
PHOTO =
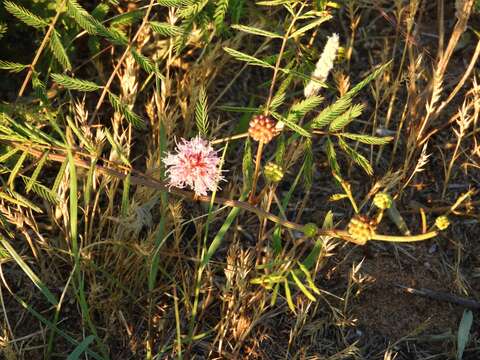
(258, 159)
(409, 238)
(120, 62)
(40, 49)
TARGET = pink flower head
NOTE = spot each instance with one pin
(195, 164)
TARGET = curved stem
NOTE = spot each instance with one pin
(410, 238)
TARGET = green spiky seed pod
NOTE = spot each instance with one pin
(442, 222)
(361, 229)
(273, 172)
(310, 229)
(382, 200)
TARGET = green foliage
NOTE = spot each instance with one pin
(11, 66)
(344, 119)
(221, 7)
(25, 15)
(256, 31)
(59, 51)
(74, 84)
(251, 60)
(165, 29)
(124, 109)
(144, 62)
(201, 112)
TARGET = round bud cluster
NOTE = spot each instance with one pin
(361, 229)
(442, 222)
(273, 172)
(382, 200)
(310, 229)
(262, 129)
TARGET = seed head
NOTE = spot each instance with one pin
(361, 229)
(382, 200)
(442, 222)
(273, 172)
(262, 129)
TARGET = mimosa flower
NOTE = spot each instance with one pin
(195, 164)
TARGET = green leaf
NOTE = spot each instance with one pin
(13, 67)
(201, 112)
(41, 190)
(310, 26)
(256, 31)
(218, 239)
(343, 120)
(82, 17)
(171, 3)
(16, 169)
(75, 84)
(302, 287)
(219, 14)
(59, 51)
(238, 55)
(28, 271)
(332, 156)
(25, 15)
(92, 25)
(8, 155)
(331, 112)
(309, 279)
(123, 109)
(298, 110)
(293, 126)
(367, 139)
(240, 109)
(144, 62)
(165, 29)
(353, 91)
(81, 348)
(463, 332)
(127, 18)
(308, 165)
(356, 157)
(288, 296)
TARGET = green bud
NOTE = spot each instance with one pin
(442, 222)
(273, 172)
(382, 200)
(310, 229)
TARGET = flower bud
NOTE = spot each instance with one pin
(273, 172)
(361, 229)
(382, 201)
(310, 229)
(442, 222)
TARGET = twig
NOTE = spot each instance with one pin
(442, 296)
(258, 160)
(40, 49)
(120, 62)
